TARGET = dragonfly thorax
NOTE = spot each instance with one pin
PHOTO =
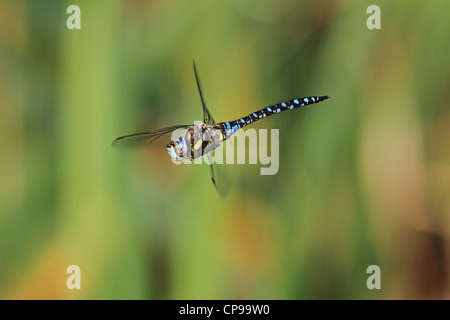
(199, 139)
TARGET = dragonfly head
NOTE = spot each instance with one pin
(177, 149)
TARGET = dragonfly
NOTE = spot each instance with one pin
(202, 138)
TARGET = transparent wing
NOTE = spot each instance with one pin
(219, 175)
(142, 138)
(220, 180)
(207, 118)
(216, 161)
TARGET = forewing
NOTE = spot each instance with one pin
(145, 138)
(207, 118)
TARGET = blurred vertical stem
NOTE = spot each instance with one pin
(95, 233)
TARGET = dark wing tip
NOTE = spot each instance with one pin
(133, 139)
(117, 141)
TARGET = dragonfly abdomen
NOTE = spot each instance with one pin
(231, 127)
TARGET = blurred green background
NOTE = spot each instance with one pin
(364, 177)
